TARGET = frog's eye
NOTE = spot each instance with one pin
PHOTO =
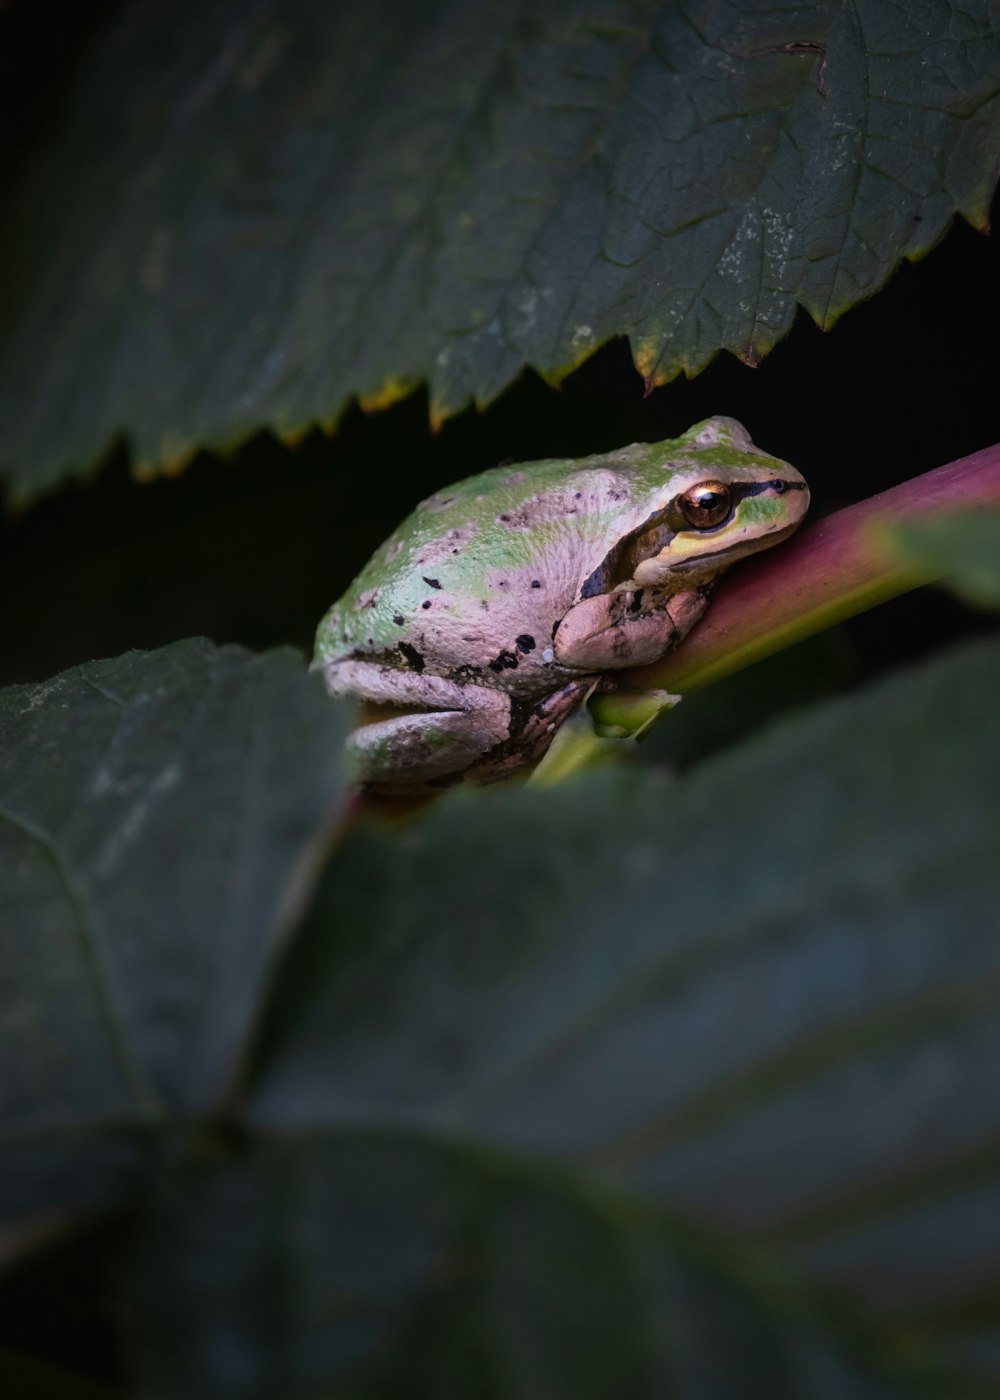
(706, 505)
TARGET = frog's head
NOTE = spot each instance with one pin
(719, 499)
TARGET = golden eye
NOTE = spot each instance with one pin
(706, 505)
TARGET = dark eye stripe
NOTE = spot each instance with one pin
(604, 576)
(742, 489)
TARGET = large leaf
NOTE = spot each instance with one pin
(960, 547)
(244, 215)
(347, 1264)
(588, 1092)
(157, 816)
(634, 1087)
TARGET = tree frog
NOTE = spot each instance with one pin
(504, 600)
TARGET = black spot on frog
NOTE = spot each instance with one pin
(412, 656)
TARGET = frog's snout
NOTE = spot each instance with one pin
(795, 490)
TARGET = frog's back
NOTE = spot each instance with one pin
(473, 582)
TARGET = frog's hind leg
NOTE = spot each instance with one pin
(419, 748)
(417, 730)
(531, 740)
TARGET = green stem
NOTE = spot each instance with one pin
(831, 571)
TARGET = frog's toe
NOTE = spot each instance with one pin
(532, 740)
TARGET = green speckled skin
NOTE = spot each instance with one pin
(503, 555)
(474, 583)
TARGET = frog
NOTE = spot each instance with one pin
(503, 601)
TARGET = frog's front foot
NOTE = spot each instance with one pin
(615, 630)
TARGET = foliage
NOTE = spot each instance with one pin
(963, 546)
(678, 1076)
(652, 1002)
(311, 203)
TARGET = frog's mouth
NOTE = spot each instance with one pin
(711, 559)
(376, 711)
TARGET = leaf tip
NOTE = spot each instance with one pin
(144, 471)
(390, 392)
(648, 360)
(438, 414)
(293, 437)
(644, 357)
(175, 466)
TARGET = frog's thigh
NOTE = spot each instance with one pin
(602, 634)
(386, 685)
(448, 728)
(415, 748)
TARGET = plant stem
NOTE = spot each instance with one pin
(830, 571)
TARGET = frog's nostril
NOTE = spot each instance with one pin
(780, 486)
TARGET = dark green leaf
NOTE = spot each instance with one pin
(244, 215)
(720, 715)
(962, 548)
(762, 1000)
(359, 1265)
(30, 1379)
(157, 816)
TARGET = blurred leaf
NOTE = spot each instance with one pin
(725, 713)
(354, 1264)
(762, 1000)
(244, 215)
(961, 548)
(29, 1379)
(158, 814)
